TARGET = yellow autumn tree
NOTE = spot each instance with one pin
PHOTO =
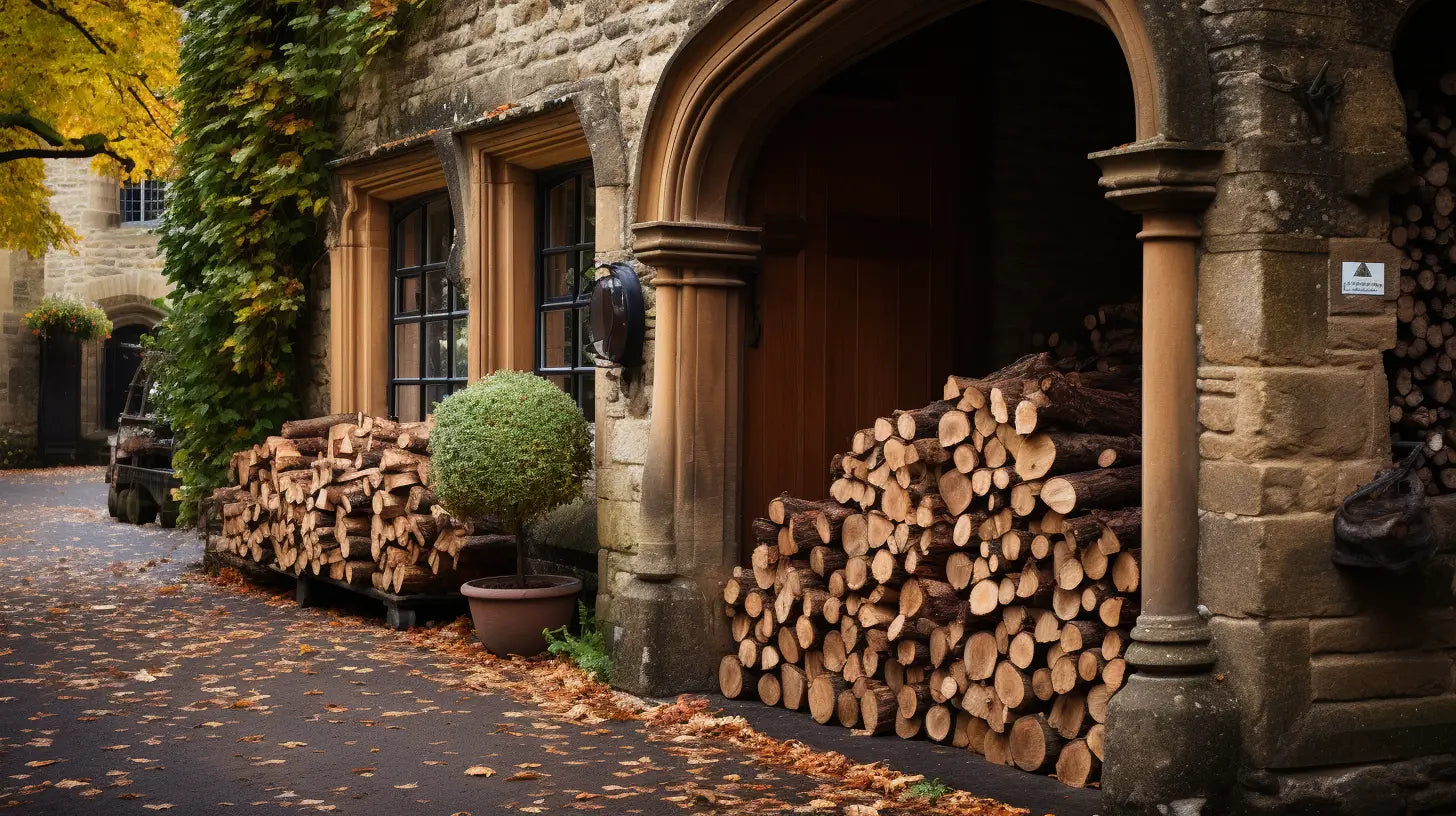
(80, 78)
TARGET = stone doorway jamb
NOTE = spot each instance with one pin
(1172, 731)
(689, 524)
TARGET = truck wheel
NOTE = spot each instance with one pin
(140, 508)
(129, 510)
(113, 502)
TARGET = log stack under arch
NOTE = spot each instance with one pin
(974, 574)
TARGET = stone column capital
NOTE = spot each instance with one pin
(674, 246)
(1160, 176)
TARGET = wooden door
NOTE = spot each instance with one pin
(60, 395)
(121, 358)
(851, 309)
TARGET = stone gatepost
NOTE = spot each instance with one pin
(1171, 732)
(668, 631)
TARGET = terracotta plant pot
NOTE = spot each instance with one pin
(509, 619)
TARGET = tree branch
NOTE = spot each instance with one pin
(104, 48)
(146, 108)
(78, 152)
(61, 147)
(25, 121)
(120, 88)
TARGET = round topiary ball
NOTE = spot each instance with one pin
(512, 445)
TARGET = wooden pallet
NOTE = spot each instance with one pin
(400, 611)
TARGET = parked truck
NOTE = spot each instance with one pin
(140, 472)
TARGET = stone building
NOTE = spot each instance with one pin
(116, 265)
(836, 203)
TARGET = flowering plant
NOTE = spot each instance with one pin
(58, 314)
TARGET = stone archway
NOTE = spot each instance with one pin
(129, 299)
(735, 75)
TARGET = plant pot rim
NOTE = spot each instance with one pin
(558, 586)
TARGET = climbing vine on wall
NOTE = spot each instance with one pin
(245, 219)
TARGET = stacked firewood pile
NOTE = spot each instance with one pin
(1112, 340)
(974, 576)
(347, 496)
(1420, 366)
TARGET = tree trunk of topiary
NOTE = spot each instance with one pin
(516, 528)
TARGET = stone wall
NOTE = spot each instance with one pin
(110, 259)
(1330, 666)
(21, 284)
(470, 57)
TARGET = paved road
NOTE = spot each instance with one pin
(130, 684)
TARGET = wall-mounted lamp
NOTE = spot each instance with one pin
(618, 315)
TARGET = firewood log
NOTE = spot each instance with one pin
(317, 426)
(1035, 746)
(1076, 766)
(793, 686)
(1112, 487)
(734, 679)
(1051, 453)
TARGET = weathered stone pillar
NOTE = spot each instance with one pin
(668, 633)
(1171, 731)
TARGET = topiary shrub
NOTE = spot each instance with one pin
(512, 446)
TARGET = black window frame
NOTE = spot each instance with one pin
(457, 310)
(580, 372)
(142, 203)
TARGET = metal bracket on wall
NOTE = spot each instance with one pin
(1316, 98)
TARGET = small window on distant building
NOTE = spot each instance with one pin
(141, 201)
(566, 235)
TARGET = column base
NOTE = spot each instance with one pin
(665, 637)
(1171, 748)
(1180, 644)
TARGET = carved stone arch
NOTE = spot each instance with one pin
(128, 298)
(131, 310)
(753, 59)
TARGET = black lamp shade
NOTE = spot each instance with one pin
(618, 316)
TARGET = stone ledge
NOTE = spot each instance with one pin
(1381, 675)
(1420, 786)
(1350, 732)
(1384, 629)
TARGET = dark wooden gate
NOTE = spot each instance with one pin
(851, 311)
(122, 358)
(60, 395)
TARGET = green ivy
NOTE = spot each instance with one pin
(244, 223)
(17, 448)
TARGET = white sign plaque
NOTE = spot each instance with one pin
(1362, 278)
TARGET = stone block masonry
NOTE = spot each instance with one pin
(1293, 415)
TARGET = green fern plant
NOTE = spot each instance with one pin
(928, 789)
(588, 650)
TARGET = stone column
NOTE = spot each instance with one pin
(1171, 731)
(668, 630)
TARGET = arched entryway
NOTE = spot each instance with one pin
(906, 205)
(109, 367)
(716, 108)
(121, 356)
